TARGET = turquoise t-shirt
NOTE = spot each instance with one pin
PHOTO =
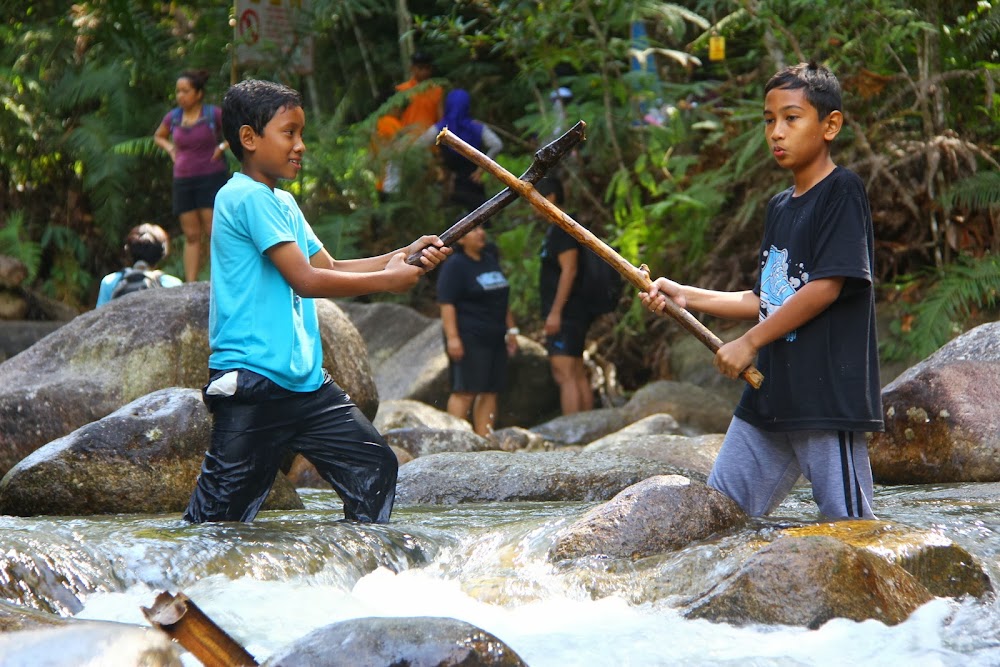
(255, 319)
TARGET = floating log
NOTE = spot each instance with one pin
(182, 620)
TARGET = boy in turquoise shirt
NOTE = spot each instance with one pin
(268, 391)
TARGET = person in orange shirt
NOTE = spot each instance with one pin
(425, 105)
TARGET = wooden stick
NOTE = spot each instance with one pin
(545, 158)
(638, 278)
(188, 625)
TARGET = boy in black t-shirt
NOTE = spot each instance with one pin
(815, 338)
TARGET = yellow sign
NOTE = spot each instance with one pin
(716, 47)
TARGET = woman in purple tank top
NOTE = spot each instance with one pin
(191, 134)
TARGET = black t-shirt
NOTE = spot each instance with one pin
(558, 241)
(825, 374)
(479, 292)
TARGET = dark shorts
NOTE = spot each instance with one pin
(483, 369)
(196, 192)
(569, 341)
(256, 423)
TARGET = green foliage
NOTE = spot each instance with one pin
(960, 293)
(980, 191)
(14, 243)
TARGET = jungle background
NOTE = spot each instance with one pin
(674, 171)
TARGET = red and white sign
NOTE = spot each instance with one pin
(274, 32)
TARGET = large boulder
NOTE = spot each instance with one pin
(809, 580)
(408, 360)
(942, 566)
(582, 428)
(135, 345)
(941, 420)
(141, 459)
(448, 479)
(422, 641)
(662, 513)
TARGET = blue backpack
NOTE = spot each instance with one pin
(207, 112)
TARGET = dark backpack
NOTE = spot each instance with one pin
(135, 280)
(600, 284)
(207, 112)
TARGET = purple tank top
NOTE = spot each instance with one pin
(195, 147)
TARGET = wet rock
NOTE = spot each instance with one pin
(14, 617)
(108, 357)
(940, 416)
(698, 410)
(143, 458)
(943, 567)
(662, 513)
(414, 642)
(582, 428)
(807, 581)
(90, 643)
(448, 479)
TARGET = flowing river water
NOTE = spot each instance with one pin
(271, 582)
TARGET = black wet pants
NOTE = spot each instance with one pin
(255, 427)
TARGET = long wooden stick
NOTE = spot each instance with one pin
(545, 158)
(640, 279)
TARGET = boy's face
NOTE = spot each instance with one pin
(796, 135)
(277, 153)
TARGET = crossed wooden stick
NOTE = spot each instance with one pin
(525, 188)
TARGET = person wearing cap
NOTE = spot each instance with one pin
(424, 105)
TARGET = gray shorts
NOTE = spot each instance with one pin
(758, 468)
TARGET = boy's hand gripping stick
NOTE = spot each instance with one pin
(545, 158)
(638, 278)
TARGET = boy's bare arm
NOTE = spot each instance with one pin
(809, 301)
(433, 254)
(727, 305)
(309, 281)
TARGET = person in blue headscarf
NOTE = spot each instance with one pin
(466, 187)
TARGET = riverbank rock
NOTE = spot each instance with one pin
(408, 361)
(421, 641)
(448, 479)
(141, 459)
(154, 339)
(940, 416)
(693, 454)
(809, 580)
(426, 441)
(697, 410)
(662, 513)
(581, 428)
(408, 413)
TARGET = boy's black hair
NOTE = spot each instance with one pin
(147, 243)
(821, 86)
(421, 58)
(253, 102)
(549, 184)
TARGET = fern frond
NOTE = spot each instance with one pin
(978, 192)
